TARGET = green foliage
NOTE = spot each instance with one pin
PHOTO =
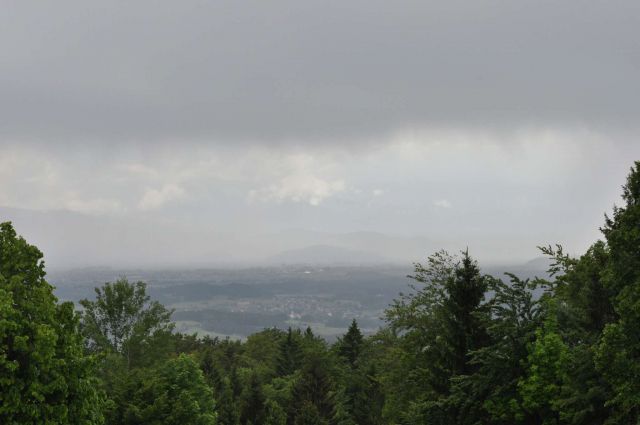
(228, 411)
(350, 346)
(582, 287)
(361, 397)
(584, 304)
(618, 356)
(261, 353)
(128, 332)
(175, 393)
(492, 392)
(252, 402)
(313, 394)
(547, 364)
(441, 323)
(290, 353)
(464, 314)
(44, 375)
(274, 414)
(308, 414)
(124, 320)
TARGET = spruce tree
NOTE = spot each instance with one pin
(252, 402)
(210, 370)
(316, 387)
(490, 394)
(350, 346)
(228, 412)
(274, 414)
(464, 325)
(290, 354)
(308, 415)
(441, 323)
(308, 333)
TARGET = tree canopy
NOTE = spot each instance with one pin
(45, 376)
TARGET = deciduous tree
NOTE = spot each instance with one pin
(44, 374)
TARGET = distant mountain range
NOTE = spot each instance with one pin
(70, 239)
(326, 254)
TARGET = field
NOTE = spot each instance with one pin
(238, 302)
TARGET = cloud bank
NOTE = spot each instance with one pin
(303, 73)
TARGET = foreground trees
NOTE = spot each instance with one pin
(123, 320)
(175, 393)
(461, 348)
(44, 375)
(618, 355)
(567, 356)
(145, 382)
(441, 323)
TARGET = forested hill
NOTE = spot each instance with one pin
(457, 347)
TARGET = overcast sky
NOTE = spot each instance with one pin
(498, 125)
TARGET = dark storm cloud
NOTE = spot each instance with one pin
(292, 70)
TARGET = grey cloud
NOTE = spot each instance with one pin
(113, 71)
(217, 122)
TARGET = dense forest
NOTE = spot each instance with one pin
(459, 347)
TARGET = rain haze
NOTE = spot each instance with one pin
(232, 133)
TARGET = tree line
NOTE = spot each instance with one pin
(459, 347)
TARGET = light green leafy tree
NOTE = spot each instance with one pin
(175, 393)
(123, 320)
(44, 376)
(547, 365)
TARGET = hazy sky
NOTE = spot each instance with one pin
(500, 125)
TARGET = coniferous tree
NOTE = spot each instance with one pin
(362, 397)
(228, 412)
(261, 351)
(464, 325)
(252, 402)
(308, 415)
(290, 354)
(415, 366)
(235, 384)
(274, 414)
(350, 346)
(210, 370)
(361, 391)
(308, 333)
(315, 387)
(491, 393)
(442, 323)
